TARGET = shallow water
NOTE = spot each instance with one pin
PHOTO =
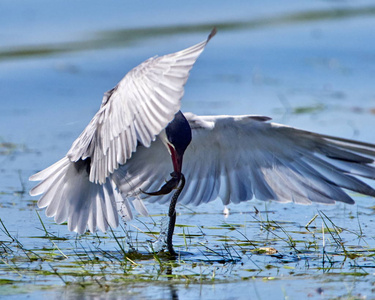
(309, 65)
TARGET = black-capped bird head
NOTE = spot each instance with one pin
(177, 138)
(178, 134)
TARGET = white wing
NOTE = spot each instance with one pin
(137, 109)
(69, 196)
(79, 188)
(238, 158)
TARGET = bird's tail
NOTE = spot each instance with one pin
(68, 195)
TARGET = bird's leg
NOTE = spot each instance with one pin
(170, 185)
(172, 216)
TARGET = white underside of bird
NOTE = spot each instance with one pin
(123, 152)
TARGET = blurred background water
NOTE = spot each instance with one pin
(309, 64)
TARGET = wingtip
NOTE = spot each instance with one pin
(33, 177)
(212, 34)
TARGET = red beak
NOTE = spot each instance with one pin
(176, 160)
(176, 175)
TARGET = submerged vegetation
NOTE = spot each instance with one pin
(261, 248)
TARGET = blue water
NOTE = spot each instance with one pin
(309, 64)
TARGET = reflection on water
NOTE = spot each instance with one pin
(127, 292)
(309, 64)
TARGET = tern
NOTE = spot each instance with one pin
(139, 137)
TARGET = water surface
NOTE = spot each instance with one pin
(306, 64)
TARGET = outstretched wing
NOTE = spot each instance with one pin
(238, 158)
(137, 109)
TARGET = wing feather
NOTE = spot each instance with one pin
(238, 158)
(137, 109)
(276, 162)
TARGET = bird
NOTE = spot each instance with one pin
(139, 138)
